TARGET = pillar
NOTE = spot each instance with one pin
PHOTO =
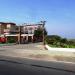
(32, 39)
(26, 38)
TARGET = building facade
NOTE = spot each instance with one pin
(21, 33)
(7, 28)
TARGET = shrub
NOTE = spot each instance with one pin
(56, 37)
(71, 42)
(57, 41)
(64, 40)
(11, 40)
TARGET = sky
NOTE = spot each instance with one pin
(58, 14)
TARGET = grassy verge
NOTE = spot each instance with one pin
(57, 41)
(64, 46)
(6, 44)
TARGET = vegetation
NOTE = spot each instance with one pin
(39, 33)
(11, 40)
(57, 41)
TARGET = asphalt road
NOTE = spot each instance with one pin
(19, 66)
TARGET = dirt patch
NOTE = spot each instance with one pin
(64, 58)
(41, 57)
(49, 57)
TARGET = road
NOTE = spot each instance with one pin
(22, 50)
(22, 66)
(30, 46)
(13, 61)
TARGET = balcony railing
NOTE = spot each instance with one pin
(9, 31)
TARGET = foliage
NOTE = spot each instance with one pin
(39, 32)
(71, 42)
(63, 40)
(11, 40)
(56, 37)
(57, 41)
(52, 39)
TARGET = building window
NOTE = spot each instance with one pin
(8, 25)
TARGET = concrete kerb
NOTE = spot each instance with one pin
(60, 49)
(7, 44)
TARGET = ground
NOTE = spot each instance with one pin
(23, 66)
(35, 51)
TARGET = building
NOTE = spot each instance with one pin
(7, 28)
(22, 34)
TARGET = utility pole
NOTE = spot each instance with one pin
(19, 37)
(43, 22)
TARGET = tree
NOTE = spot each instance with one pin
(56, 37)
(71, 42)
(39, 32)
(53, 39)
(64, 40)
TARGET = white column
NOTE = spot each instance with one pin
(27, 38)
(32, 38)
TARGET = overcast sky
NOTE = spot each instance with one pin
(59, 14)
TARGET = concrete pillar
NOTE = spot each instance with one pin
(32, 39)
(27, 38)
(23, 39)
(6, 39)
(19, 39)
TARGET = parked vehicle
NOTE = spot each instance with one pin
(2, 39)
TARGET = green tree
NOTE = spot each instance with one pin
(56, 37)
(39, 32)
(11, 40)
(64, 40)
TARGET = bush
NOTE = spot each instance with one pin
(71, 42)
(63, 40)
(11, 40)
(56, 37)
(57, 41)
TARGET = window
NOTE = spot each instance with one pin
(8, 25)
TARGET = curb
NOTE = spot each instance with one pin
(60, 49)
(7, 45)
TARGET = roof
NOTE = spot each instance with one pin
(32, 25)
(2, 23)
(7, 23)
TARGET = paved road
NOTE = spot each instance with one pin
(22, 50)
(17, 66)
(30, 46)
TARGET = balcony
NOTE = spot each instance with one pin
(9, 31)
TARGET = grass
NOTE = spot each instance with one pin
(5, 44)
(59, 42)
(64, 46)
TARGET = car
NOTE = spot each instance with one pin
(2, 39)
